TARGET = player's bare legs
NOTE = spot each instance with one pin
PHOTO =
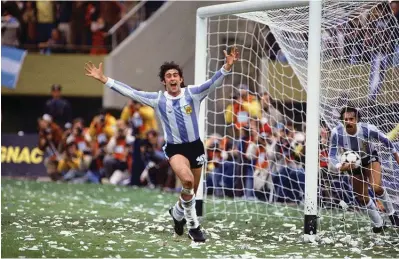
(375, 179)
(197, 177)
(360, 187)
(181, 166)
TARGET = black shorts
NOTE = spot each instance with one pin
(366, 161)
(193, 151)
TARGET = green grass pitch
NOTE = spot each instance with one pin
(65, 220)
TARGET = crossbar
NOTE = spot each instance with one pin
(247, 6)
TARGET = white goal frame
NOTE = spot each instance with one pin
(313, 90)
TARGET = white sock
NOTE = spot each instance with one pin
(189, 212)
(372, 212)
(178, 211)
(387, 202)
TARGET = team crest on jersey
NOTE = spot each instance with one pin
(188, 109)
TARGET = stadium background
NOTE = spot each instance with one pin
(63, 62)
(136, 38)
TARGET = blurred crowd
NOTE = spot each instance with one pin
(262, 155)
(125, 150)
(69, 26)
(261, 144)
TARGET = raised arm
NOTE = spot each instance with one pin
(148, 98)
(199, 92)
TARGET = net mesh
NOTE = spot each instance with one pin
(255, 123)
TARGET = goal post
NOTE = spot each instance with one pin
(267, 129)
(312, 118)
(200, 76)
(310, 226)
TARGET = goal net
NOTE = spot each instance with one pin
(255, 122)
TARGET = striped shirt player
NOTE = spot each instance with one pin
(179, 115)
(360, 142)
(178, 110)
(352, 135)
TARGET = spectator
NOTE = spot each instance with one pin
(100, 131)
(118, 149)
(90, 12)
(59, 108)
(79, 36)
(289, 174)
(63, 15)
(243, 108)
(71, 164)
(82, 139)
(259, 152)
(111, 12)
(156, 171)
(99, 33)
(10, 28)
(110, 121)
(140, 117)
(50, 137)
(325, 175)
(270, 115)
(55, 44)
(45, 20)
(67, 132)
(29, 19)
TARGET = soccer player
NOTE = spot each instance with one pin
(356, 136)
(178, 110)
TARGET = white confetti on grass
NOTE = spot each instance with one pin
(67, 233)
(61, 248)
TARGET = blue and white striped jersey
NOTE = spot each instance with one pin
(359, 142)
(179, 115)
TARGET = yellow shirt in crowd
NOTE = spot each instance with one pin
(147, 114)
(251, 105)
(68, 164)
(45, 12)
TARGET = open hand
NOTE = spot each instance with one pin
(231, 58)
(97, 73)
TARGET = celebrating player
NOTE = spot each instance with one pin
(354, 135)
(178, 110)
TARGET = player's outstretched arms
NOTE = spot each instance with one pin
(147, 98)
(201, 91)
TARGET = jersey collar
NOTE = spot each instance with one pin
(168, 96)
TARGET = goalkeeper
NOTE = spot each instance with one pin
(354, 135)
(178, 111)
